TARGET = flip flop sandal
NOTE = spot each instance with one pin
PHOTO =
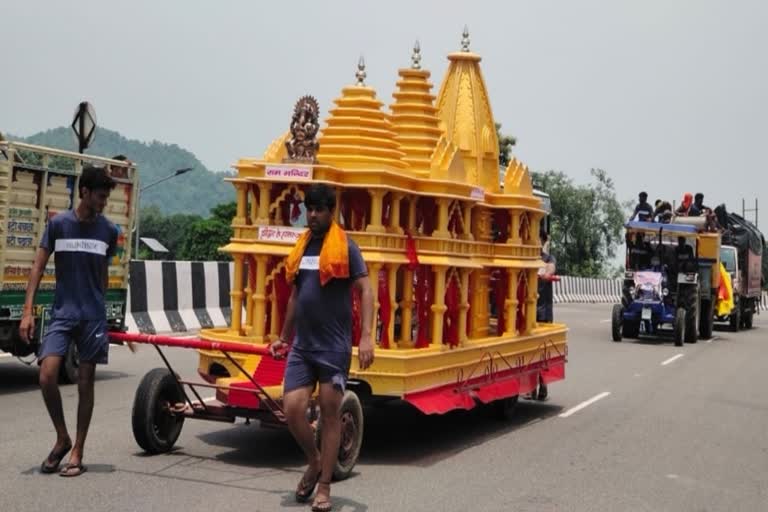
(66, 471)
(325, 505)
(53, 460)
(306, 488)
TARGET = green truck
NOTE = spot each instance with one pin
(35, 184)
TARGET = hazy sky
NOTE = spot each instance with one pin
(666, 95)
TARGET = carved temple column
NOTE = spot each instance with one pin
(392, 284)
(248, 295)
(377, 202)
(242, 203)
(237, 295)
(438, 307)
(467, 209)
(373, 275)
(406, 309)
(530, 301)
(260, 298)
(254, 204)
(441, 231)
(263, 215)
(514, 227)
(479, 282)
(464, 306)
(510, 304)
(394, 217)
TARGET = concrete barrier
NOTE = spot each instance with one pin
(180, 296)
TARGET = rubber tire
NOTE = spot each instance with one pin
(70, 366)
(631, 329)
(352, 409)
(679, 326)
(706, 320)
(691, 327)
(155, 433)
(749, 318)
(735, 319)
(617, 319)
(504, 408)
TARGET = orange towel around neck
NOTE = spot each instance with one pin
(334, 255)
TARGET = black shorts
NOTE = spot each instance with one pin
(305, 368)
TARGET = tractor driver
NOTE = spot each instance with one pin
(684, 256)
(640, 253)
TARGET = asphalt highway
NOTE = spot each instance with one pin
(635, 426)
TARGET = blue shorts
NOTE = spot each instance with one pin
(90, 336)
(305, 368)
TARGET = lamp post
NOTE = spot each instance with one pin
(177, 172)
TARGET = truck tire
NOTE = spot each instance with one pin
(691, 327)
(706, 320)
(679, 326)
(735, 318)
(154, 427)
(351, 414)
(70, 366)
(749, 317)
(617, 319)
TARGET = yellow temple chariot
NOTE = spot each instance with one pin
(452, 252)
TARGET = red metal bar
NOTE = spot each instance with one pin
(170, 341)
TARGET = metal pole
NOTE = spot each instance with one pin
(81, 138)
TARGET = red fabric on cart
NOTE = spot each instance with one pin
(423, 287)
(357, 323)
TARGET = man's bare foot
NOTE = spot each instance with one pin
(322, 501)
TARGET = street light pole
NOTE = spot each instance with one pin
(177, 172)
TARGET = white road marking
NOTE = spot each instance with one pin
(587, 403)
(604, 321)
(671, 359)
(638, 375)
(672, 476)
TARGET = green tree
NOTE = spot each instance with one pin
(204, 238)
(506, 142)
(169, 230)
(587, 222)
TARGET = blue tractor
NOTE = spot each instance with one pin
(661, 284)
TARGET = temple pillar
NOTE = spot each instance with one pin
(467, 209)
(392, 284)
(510, 303)
(254, 204)
(443, 206)
(274, 325)
(534, 231)
(514, 227)
(373, 276)
(394, 217)
(260, 298)
(242, 203)
(438, 307)
(248, 296)
(263, 215)
(464, 306)
(479, 281)
(530, 301)
(377, 202)
(236, 295)
(406, 309)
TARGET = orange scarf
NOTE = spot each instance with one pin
(334, 256)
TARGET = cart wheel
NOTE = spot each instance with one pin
(679, 327)
(351, 415)
(154, 427)
(70, 366)
(505, 407)
(617, 318)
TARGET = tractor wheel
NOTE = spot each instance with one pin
(691, 327)
(736, 318)
(679, 327)
(631, 329)
(351, 415)
(706, 320)
(617, 319)
(155, 428)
